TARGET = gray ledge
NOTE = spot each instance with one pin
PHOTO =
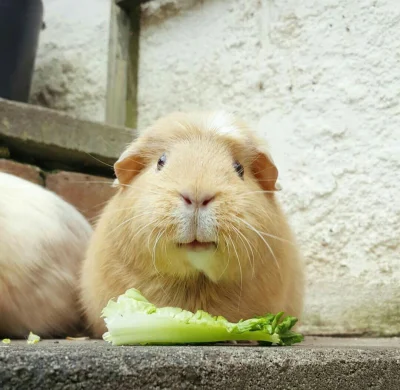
(318, 363)
(48, 137)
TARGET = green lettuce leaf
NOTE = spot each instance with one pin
(133, 320)
(33, 338)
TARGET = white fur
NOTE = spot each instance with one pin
(223, 123)
(196, 224)
(42, 243)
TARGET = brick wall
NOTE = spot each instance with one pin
(89, 194)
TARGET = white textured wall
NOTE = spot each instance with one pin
(321, 79)
(71, 64)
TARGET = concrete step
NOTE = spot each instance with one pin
(54, 140)
(318, 363)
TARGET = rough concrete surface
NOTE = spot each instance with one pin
(317, 364)
(320, 80)
(71, 64)
(49, 137)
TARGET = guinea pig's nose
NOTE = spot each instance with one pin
(199, 201)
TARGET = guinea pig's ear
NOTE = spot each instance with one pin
(265, 171)
(128, 165)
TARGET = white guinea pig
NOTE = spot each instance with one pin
(43, 240)
(195, 224)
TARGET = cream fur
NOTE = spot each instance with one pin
(43, 240)
(256, 267)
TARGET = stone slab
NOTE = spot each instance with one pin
(52, 139)
(318, 363)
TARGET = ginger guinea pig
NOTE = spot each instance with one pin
(195, 224)
(43, 241)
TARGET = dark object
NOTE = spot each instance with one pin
(20, 25)
(127, 5)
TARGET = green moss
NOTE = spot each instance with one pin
(4, 152)
(6, 123)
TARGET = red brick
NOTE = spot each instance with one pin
(89, 194)
(24, 171)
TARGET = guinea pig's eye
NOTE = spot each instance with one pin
(238, 168)
(161, 161)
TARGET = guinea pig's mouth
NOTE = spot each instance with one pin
(197, 246)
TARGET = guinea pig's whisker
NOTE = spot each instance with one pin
(112, 166)
(147, 192)
(90, 182)
(161, 192)
(159, 235)
(255, 192)
(110, 183)
(216, 247)
(111, 145)
(265, 169)
(100, 161)
(267, 180)
(263, 239)
(229, 257)
(154, 259)
(140, 230)
(275, 237)
(130, 170)
(102, 204)
(150, 236)
(252, 259)
(121, 169)
(158, 225)
(227, 247)
(115, 211)
(136, 162)
(126, 185)
(241, 239)
(131, 219)
(241, 273)
(240, 270)
(122, 224)
(166, 252)
(267, 215)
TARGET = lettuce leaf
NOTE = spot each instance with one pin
(33, 338)
(133, 320)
